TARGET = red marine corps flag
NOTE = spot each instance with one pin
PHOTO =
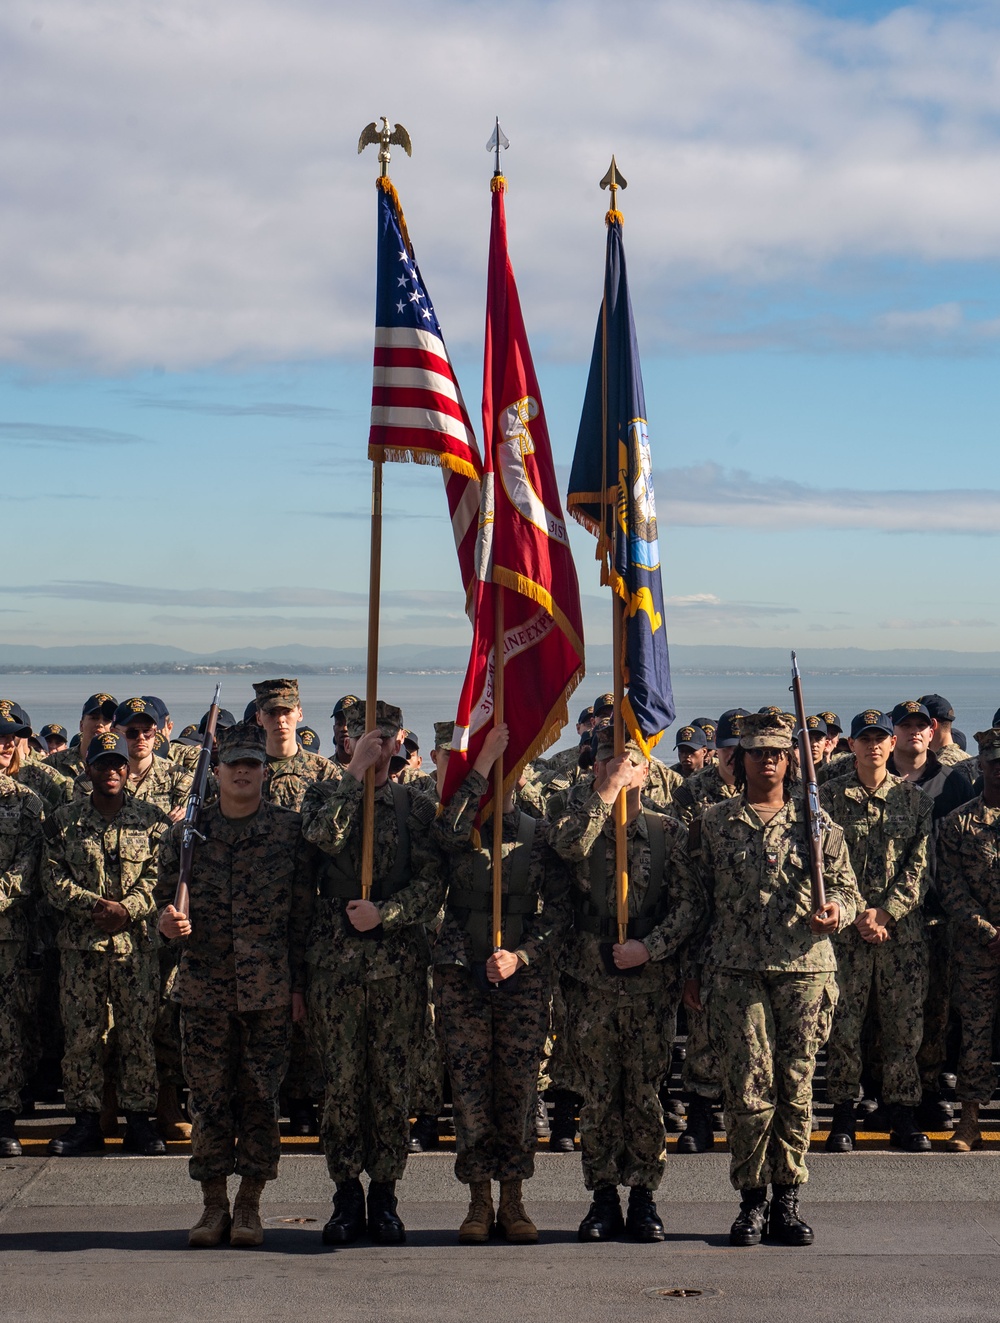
(526, 601)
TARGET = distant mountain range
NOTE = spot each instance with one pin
(129, 658)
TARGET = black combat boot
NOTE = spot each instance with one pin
(935, 1112)
(643, 1221)
(749, 1225)
(905, 1134)
(424, 1134)
(302, 1118)
(784, 1223)
(543, 1126)
(698, 1137)
(563, 1126)
(841, 1136)
(384, 1225)
(604, 1218)
(348, 1220)
(141, 1137)
(10, 1145)
(84, 1136)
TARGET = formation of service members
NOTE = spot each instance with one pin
(283, 987)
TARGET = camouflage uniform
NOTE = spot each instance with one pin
(968, 880)
(366, 994)
(69, 762)
(186, 755)
(52, 787)
(888, 838)
(619, 1021)
(701, 1073)
(21, 844)
(493, 1039)
(88, 858)
(771, 986)
(661, 786)
(164, 784)
(252, 892)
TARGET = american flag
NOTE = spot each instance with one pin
(417, 408)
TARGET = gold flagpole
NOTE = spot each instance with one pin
(382, 138)
(613, 180)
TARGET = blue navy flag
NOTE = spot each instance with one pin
(611, 493)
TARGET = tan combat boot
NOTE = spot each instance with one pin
(478, 1224)
(169, 1118)
(513, 1223)
(247, 1229)
(967, 1134)
(211, 1227)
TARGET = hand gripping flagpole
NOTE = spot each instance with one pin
(613, 181)
(498, 141)
(382, 138)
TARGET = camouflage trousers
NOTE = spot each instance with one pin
(90, 981)
(234, 1064)
(976, 993)
(767, 1028)
(560, 1067)
(427, 1075)
(365, 1036)
(304, 1077)
(492, 1043)
(618, 1039)
(12, 956)
(702, 1073)
(937, 1006)
(892, 978)
(167, 1034)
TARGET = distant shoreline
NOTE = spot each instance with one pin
(301, 668)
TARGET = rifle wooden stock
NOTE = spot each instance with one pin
(810, 786)
(192, 813)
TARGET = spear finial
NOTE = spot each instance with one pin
(614, 180)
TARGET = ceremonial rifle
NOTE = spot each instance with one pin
(192, 814)
(813, 813)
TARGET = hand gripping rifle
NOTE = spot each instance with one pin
(192, 814)
(814, 815)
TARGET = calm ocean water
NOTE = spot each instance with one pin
(429, 698)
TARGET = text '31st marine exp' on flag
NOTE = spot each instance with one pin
(525, 595)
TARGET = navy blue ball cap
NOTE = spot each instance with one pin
(834, 725)
(53, 731)
(342, 704)
(308, 739)
(106, 704)
(136, 707)
(224, 719)
(250, 711)
(108, 745)
(160, 706)
(708, 725)
(10, 724)
(691, 737)
(725, 736)
(911, 708)
(817, 726)
(939, 708)
(871, 719)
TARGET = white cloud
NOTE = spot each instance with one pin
(708, 495)
(181, 183)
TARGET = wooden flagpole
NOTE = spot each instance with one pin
(498, 795)
(371, 680)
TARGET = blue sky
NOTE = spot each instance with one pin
(187, 253)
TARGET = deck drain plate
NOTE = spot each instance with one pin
(679, 1292)
(291, 1221)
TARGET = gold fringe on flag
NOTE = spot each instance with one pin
(387, 186)
(397, 455)
(614, 217)
(498, 184)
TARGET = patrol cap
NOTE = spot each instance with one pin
(770, 729)
(161, 707)
(388, 719)
(108, 745)
(989, 744)
(771, 711)
(103, 703)
(939, 708)
(710, 726)
(911, 708)
(342, 704)
(225, 718)
(726, 736)
(246, 739)
(308, 738)
(586, 715)
(691, 737)
(277, 693)
(53, 731)
(444, 733)
(410, 742)
(604, 703)
(11, 720)
(250, 711)
(871, 719)
(135, 707)
(816, 726)
(603, 744)
(834, 726)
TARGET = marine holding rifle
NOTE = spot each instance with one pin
(769, 982)
(492, 1004)
(620, 994)
(240, 980)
